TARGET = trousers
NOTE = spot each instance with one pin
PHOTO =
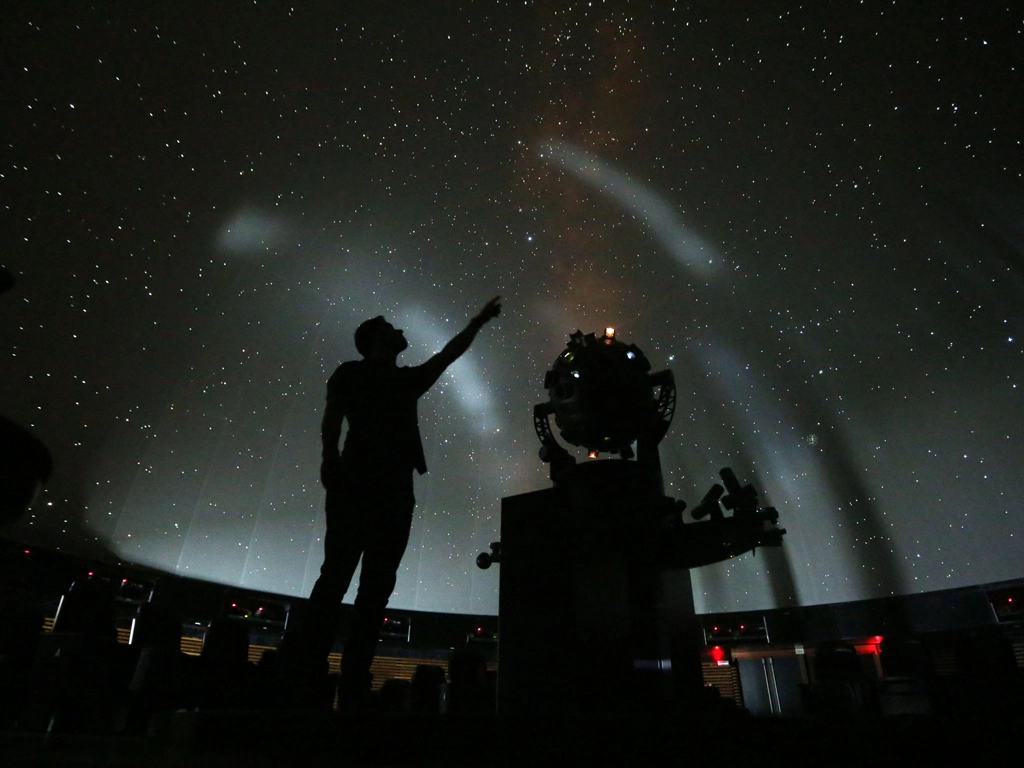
(369, 514)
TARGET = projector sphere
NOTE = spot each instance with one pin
(601, 395)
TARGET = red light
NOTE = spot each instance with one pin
(717, 653)
(743, 626)
(1009, 599)
(28, 552)
(90, 573)
(234, 605)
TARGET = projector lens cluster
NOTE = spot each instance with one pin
(600, 392)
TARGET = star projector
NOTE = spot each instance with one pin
(602, 557)
(603, 398)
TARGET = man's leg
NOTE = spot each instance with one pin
(343, 544)
(385, 544)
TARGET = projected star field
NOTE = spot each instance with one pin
(812, 213)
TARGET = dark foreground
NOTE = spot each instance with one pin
(314, 739)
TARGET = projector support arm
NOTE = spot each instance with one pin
(551, 452)
(657, 425)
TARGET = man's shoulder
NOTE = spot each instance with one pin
(361, 375)
(355, 370)
(349, 367)
(344, 372)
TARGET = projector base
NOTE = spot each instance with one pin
(590, 621)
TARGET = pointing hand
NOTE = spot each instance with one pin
(491, 309)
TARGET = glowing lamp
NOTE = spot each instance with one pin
(718, 655)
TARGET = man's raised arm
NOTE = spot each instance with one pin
(453, 350)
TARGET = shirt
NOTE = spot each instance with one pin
(379, 401)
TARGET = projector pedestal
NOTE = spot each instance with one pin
(590, 621)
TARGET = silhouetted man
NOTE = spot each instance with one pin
(370, 488)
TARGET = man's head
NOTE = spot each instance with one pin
(378, 338)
